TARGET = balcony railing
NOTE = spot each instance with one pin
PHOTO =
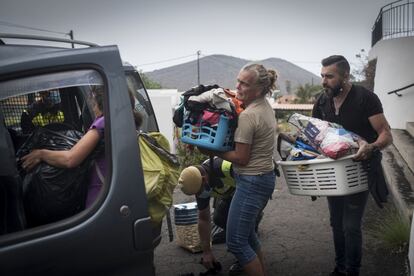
(394, 20)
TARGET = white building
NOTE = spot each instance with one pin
(395, 59)
(163, 102)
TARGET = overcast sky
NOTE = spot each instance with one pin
(149, 31)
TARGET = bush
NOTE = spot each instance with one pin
(393, 230)
(188, 155)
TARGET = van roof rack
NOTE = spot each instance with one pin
(46, 38)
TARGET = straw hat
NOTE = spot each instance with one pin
(190, 180)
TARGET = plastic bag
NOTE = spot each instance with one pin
(331, 139)
(293, 148)
(51, 193)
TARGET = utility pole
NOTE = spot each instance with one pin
(198, 66)
(71, 37)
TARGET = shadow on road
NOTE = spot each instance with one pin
(296, 239)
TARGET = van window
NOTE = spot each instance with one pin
(142, 102)
(49, 111)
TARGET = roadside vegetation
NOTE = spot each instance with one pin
(148, 83)
(188, 155)
(392, 231)
(307, 94)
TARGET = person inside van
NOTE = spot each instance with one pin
(78, 153)
(42, 112)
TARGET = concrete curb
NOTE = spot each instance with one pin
(404, 143)
(400, 180)
(410, 128)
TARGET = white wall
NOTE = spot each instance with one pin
(163, 101)
(395, 67)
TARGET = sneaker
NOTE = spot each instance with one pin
(235, 269)
(336, 272)
(219, 237)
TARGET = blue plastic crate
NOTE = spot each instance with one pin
(219, 138)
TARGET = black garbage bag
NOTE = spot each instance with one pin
(51, 193)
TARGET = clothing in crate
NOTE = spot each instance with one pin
(210, 99)
(178, 117)
(209, 117)
(294, 148)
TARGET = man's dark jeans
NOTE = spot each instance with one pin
(346, 214)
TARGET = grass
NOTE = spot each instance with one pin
(392, 231)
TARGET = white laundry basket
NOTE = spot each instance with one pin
(325, 177)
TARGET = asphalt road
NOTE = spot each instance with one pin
(296, 240)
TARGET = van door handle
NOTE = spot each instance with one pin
(143, 234)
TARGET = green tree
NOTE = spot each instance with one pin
(306, 93)
(364, 73)
(148, 83)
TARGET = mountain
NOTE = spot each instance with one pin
(223, 70)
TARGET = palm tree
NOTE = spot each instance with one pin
(306, 93)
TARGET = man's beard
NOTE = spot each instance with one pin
(334, 91)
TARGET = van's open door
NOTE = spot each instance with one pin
(113, 236)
